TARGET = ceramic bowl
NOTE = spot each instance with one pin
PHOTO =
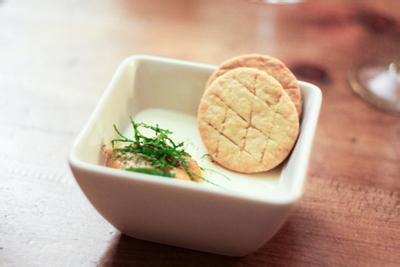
(232, 214)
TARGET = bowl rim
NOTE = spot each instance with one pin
(76, 163)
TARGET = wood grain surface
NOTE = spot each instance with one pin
(58, 56)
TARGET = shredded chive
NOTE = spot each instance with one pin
(159, 150)
(150, 171)
(205, 156)
(217, 172)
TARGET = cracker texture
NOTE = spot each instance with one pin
(270, 65)
(247, 121)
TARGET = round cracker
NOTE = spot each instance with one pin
(247, 121)
(268, 64)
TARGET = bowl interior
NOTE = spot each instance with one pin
(167, 92)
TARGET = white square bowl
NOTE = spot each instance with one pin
(233, 222)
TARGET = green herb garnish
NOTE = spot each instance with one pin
(150, 171)
(160, 151)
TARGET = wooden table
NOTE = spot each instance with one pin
(57, 57)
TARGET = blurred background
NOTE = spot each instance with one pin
(58, 56)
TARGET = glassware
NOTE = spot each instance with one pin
(378, 84)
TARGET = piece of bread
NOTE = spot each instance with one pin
(247, 122)
(269, 65)
(125, 160)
